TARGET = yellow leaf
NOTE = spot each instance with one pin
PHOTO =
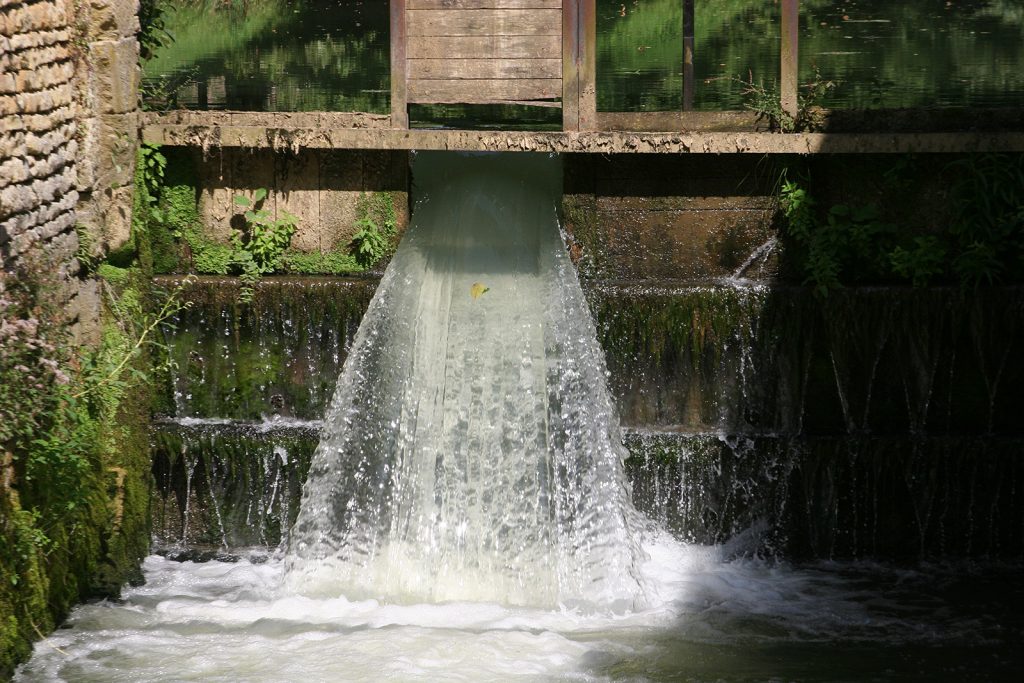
(477, 289)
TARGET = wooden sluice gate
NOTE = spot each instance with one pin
(487, 52)
(542, 53)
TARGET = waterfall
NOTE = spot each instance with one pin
(471, 450)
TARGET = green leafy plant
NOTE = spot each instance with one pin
(57, 401)
(153, 33)
(259, 247)
(317, 263)
(922, 262)
(766, 102)
(265, 238)
(981, 244)
(376, 228)
(798, 208)
(368, 242)
(988, 226)
(177, 241)
(108, 372)
(152, 166)
(850, 243)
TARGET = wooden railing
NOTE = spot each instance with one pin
(533, 52)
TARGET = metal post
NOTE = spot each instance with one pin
(688, 32)
(790, 37)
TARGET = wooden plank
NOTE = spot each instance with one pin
(690, 121)
(485, 22)
(633, 142)
(429, 91)
(399, 91)
(484, 68)
(876, 121)
(789, 62)
(570, 66)
(688, 43)
(485, 47)
(484, 4)
(588, 64)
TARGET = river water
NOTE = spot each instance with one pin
(711, 618)
(467, 515)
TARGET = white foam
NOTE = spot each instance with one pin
(221, 621)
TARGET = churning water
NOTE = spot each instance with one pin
(708, 619)
(472, 451)
(466, 515)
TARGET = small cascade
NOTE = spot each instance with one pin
(278, 356)
(694, 371)
(712, 489)
(471, 451)
(224, 484)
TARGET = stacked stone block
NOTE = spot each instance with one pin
(108, 87)
(69, 81)
(38, 145)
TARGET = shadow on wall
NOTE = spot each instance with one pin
(874, 421)
(321, 188)
(879, 421)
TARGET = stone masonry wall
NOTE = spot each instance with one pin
(108, 85)
(319, 187)
(68, 132)
(670, 217)
(38, 145)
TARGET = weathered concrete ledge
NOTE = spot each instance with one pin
(322, 130)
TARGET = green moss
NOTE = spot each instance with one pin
(165, 250)
(316, 263)
(74, 511)
(176, 212)
(113, 274)
(24, 584)
(693, 326)
(210, 258)
(589, 243)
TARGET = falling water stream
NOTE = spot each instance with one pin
(471, 451)
(467, 517)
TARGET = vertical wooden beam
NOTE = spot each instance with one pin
(588, 64)
(570, 65)
(399, 36)
(790, 63)
(688, 33)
